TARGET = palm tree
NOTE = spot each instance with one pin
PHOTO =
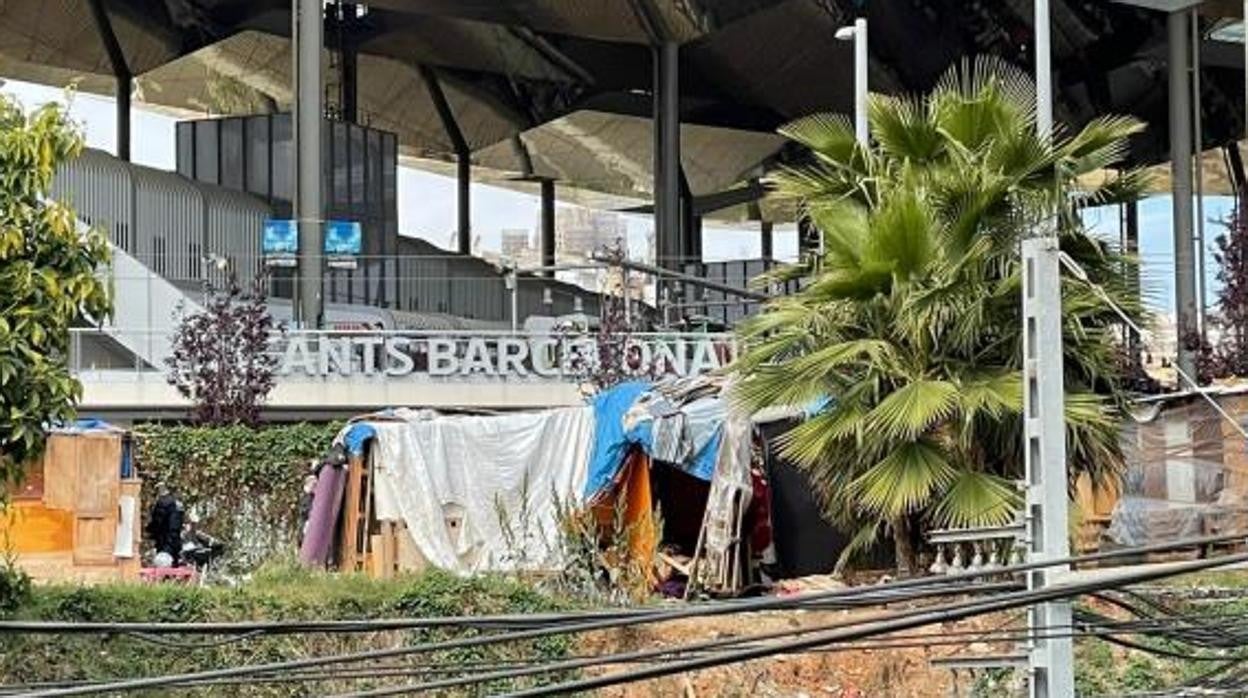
(912, 316)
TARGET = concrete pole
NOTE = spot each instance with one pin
(1051, 659)
(861, 87)
(307, 123)
(1044, 396)
(1199, 174)
(1181, 178)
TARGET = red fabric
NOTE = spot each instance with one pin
(760, 512)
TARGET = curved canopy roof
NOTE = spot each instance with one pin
(566, 84)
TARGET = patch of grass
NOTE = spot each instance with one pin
(276, 592)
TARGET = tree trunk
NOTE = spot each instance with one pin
(903, 547)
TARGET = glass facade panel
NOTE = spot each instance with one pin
(232, 153)
(339, 193)
(283, 158)
(357, 171)
(207, 149)
(258, 155)
(374, 174)
(186, 148)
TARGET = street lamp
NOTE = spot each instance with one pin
(858, 34)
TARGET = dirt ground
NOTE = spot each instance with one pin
(860, 673)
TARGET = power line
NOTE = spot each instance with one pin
(898, 621)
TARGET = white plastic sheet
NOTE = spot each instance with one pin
(480, 493)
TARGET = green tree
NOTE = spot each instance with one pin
(912, 319)
(48, 280)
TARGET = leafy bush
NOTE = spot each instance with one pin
(14, 586)
(244, 482)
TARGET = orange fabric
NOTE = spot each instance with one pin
(638, 511)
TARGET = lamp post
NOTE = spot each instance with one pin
(858, 34)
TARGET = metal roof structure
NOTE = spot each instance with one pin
(564, 88)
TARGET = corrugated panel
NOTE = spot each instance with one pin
(98, 187)
(171, 216)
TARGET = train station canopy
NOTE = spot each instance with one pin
(563, 89)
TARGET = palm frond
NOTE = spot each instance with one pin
(902, 128)
(904, 480)
(978, 499)
(913, 408)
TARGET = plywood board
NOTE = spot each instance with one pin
(30, 527)
(99, 473)
(60, 472)
(32, 483)
(93, 539)
(408, 557)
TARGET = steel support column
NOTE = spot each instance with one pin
(349, 99)
(667, 153)
(1052, 658)
(1131, 246)
(547, 242)
(765, 233)
(309, 29)
(463, 158)
(125, 84)
(690, 235)
(463, 181)
(1179, 38)
(121, 73)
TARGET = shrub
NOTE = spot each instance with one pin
(244, 482)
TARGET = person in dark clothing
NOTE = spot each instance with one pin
(164, 526)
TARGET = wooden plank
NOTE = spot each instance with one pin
(93, 539)
(32, 483)
(60, 472)
(387, 549)
(377, 566)
(408, 557)
(99, 474)
(351, 545)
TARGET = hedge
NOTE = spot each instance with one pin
(244, 482)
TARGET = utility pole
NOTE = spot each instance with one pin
(1051, 659)
(309, 32)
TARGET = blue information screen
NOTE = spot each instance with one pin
(343, 238)
(281, 237)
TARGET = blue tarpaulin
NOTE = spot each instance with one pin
(612, 441)
(357, 436)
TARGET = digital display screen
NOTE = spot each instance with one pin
(281, 238)
(343, 238)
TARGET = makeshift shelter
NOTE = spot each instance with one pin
(75, 515)
(1186, 473)
(478, 493)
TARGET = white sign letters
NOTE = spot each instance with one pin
(539, 357)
